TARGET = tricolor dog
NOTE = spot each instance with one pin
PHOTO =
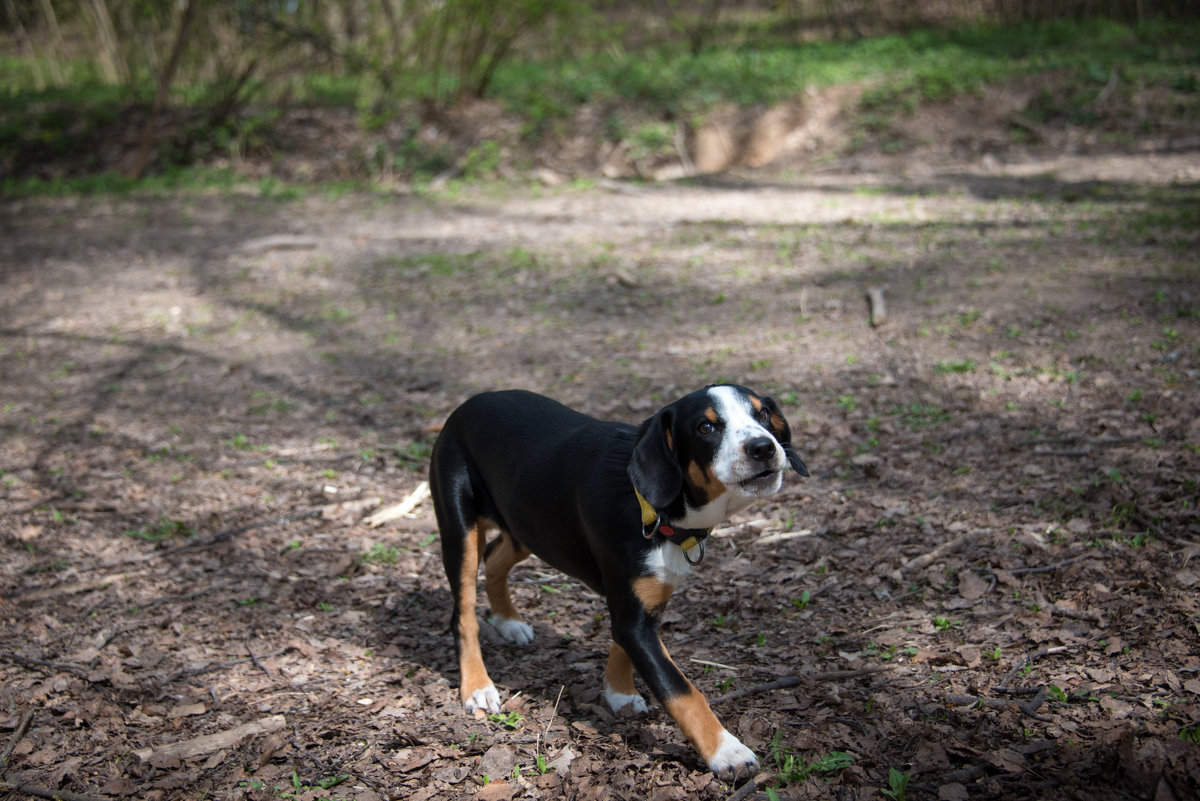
(624, 509)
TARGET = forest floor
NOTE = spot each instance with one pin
(987, 589)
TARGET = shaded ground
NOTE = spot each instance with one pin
(988, 584)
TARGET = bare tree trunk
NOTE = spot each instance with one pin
(26, 42)
(699, 35)
(150, 132)
(55, 42)
(112, 64)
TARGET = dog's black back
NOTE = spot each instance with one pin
(552, 476)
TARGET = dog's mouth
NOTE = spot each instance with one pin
(760, 481)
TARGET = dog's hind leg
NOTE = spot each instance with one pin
(477, 691)
(502, 554)
(464, 533)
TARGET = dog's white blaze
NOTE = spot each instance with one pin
(731, 464)
(668, 564)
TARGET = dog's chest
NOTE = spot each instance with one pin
(668, 564)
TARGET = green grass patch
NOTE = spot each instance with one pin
(790, 768)
(919, 416)
(947, 366)
(643, 90)
(381, 553)
(164, 529)
(901, 71)
(172, 181)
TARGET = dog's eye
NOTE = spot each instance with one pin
(706, 427)
(763, 416)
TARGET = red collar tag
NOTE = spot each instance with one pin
(666, 531)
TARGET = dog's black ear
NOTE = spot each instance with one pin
(783, 434)
(794, 460)
(654, 468)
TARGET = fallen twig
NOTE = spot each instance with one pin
(28, 662)
(925, 560)
(788, 682)
(1049, 568)
(1089, 615)
(189, 672)
(782, 536)
(18, 733)
(969, 773)
(254, 659)
(878, 308)
(221, 536)
(1029, 660)
(210, 743)
(1037, 129)
(264, 244)
(1028, 707)
(401, 509)
(778, 684)
(750, 786)
(25, 788)
(553, 712)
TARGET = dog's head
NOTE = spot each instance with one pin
(711, 453)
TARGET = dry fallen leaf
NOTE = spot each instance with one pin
(495, 791)
(971, 586)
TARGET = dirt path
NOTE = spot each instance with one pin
(989, 584)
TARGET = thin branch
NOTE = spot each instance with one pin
(1049, 568)
(190, 672)
(24, 788)
(550, 722)
(254, 659)
(150, 131)
(787, 682)
(1028, 707)
(1029, 660)
(927, 559)
(18, 733)
(45, 664)
(750, 786)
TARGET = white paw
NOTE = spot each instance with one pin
(732, 758)
(618, 701)
(518, 632)
(484, 698)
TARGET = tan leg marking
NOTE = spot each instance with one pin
(619, 674)
(697, 721)
(470, 657)
(506, 553)
(653, 593)
(694, 717)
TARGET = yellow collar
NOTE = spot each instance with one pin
(649, 516)
(652, 524)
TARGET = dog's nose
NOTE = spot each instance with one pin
(760, 449)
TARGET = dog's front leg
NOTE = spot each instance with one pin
(636, 632)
